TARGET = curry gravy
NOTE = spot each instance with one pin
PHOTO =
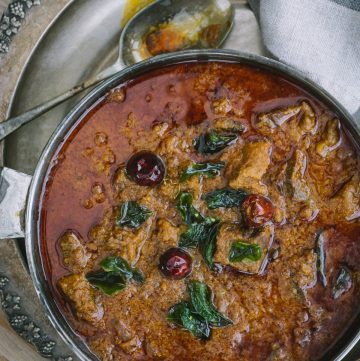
(291, 150)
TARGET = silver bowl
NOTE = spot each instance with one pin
(350, 336)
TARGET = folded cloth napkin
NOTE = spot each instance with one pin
(321, 38)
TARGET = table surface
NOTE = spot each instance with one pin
(12, 348)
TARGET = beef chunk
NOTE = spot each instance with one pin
(83, 298)
(300, 203)
(330, 138)
(295, 183)
(229, 125)
(75, 256)
(347, 200)
(248, 166)
(174, 149)
(274, 119)
(268, 122)
(308, 119)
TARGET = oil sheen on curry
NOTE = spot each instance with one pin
(205, 211)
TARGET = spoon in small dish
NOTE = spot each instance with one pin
(162, 27)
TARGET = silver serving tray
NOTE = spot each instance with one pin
(81, 41)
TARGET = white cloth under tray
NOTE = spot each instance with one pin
(321, 38)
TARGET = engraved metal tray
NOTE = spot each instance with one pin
(68, 41)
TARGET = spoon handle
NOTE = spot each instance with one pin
(10, 125)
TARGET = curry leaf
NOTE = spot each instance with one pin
(201, 300)
(114, 275)
(187, 211)
(207, 169)
(118, 264)
(175, 312)
(342, 284)
(199, 314)
(183, 315)
(190, 238)
(212, 142)
(321, 258)
(196, 233)
(201, 232)
(132, 215)
(207, 243)
(108, 282)
(226, 197)
(241, 250)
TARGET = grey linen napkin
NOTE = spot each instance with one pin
(321, 38)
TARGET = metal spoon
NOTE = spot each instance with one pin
(164, 26)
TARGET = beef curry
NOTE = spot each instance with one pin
(205, 211)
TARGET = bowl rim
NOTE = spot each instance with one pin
(345, 342)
